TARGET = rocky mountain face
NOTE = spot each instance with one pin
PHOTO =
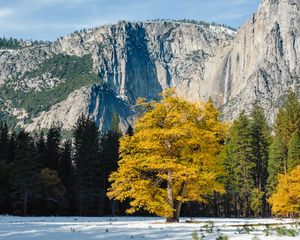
(262, 63)
(130, 60)
(122, 62)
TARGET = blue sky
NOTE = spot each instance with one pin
(49, 19)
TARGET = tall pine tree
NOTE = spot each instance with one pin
(109, 160)
(287, 123)
(87, 161)
(288, 119)
(260, 135)
(52, 148)
(276, 164)
(41, 148)
(6, 157)
(4, 142)
(25, 177)
(67, 173)
(240, 166)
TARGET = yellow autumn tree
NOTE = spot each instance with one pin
(285, 200)
(172, 157)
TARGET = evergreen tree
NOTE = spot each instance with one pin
(41, 148)
(260, 145)
(257, 202)
(294, 152)
(4, 142)
(109, 159)
(287, 123)
(260, 135)
(52, 148)
(288, 119)
(12, 147)
(240, 166)
(87, 162)
(67, 171)
(5, 169)
(276, 164)
(5, 187)
(26, 170)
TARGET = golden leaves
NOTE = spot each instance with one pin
(286, 199)
(175, 136)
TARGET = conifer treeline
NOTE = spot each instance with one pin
(46, 175)
(255, 154)
(43, 175)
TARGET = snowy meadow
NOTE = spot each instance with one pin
(121, 228)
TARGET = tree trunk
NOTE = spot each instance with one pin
(176, 205)
(25, 204)
(176, 213)
(170, 190)
(237, 207)
(246, 207)
(113, 205)
(80, 204)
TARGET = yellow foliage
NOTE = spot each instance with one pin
(171, 158)
(286, 199)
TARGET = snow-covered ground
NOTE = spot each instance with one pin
(121, 228)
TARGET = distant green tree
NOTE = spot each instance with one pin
(75, 72)
(9, 43)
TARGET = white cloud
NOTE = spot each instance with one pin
(5, 12)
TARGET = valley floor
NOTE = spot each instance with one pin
(121, 228)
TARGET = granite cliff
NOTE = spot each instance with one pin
(262, 63)
(116, 64)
